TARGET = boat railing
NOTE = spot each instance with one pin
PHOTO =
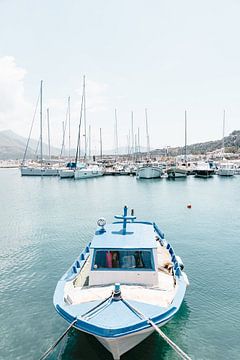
(78, 263)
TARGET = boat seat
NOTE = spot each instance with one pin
(128, 261)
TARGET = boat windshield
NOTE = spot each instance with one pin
(123, 259)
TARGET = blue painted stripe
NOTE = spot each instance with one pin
(95, 330)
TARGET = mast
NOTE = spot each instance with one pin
(69, 129)
(139, 150)
(63, 146)
(147, 133)
(132, 134)
(48, 125)
(41, 124)
(185, 146)
(85, 119)
(78, 151)
(223, 143)
(100, 134)
(89, 142)
(116, 134)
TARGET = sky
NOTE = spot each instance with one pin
(166, 56)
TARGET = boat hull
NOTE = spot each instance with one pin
(120, 345)
(149, 172)
(81, 174)
(66, 174)
(204, 173)
(31, 171)
(226, 172)
(176, 173)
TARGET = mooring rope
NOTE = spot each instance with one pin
(57, 341)
(175, 347)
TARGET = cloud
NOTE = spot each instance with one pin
(13, 105)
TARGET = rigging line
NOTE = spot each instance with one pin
(30, 132)
(97, 306)
(45, 355)
(174, 346)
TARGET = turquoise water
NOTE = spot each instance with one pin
(46, 222)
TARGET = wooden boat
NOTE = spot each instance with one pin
(127, 277)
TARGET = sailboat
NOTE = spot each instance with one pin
(148, 170)
(127, 282)
(225, 168)
(180, 171)
(39, 168)
(88, 170)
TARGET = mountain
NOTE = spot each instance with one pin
(231, 144)
(12, 146)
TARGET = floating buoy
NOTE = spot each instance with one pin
(189, 206)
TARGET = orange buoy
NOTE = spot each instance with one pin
(189, 206)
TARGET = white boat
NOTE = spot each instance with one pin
(127, 278)
(176, 172)
(90, 171)
(38, 171)
(66, 173)
(226, 169)
(149, 171)
(203, 170)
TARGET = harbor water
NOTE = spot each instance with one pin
(45, 223)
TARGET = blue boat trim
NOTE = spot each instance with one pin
(97, 331)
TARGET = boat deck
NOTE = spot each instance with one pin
(161, 294)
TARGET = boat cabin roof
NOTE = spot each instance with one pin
(137, 235)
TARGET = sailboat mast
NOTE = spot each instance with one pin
(116, 133)
(132, 134)
(100, 134)
(41, 124)
(185, 146)
(49, 147)
(78, 151)
(85, 119)
(89, 141)
(69, 129)
(147, 133)
(223, 143)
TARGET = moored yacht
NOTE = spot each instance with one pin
(204, 170)
(226, 169)
(127, 280)
(176, 172)
(149, 171)
(89, 171)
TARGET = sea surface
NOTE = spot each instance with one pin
(45, 223)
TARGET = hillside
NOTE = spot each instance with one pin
(231, 142)
(12, 146)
